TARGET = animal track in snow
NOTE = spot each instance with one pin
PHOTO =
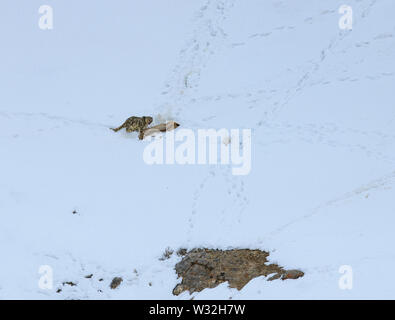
(382, 182)
(371, 143)
(207, 38)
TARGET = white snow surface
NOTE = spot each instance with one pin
(320, 104)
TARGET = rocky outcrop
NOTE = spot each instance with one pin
(207, 268)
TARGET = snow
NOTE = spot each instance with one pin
(319, 101)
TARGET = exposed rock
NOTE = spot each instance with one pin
(182, 252)
(207, 268)
(116, 282)
(274, 277)
(167, 254)
(179, 289)
(292, 274)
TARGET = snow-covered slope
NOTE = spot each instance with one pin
(319, 101)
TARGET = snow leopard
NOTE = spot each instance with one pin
(138, 124)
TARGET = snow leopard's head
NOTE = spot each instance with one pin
(147, 120)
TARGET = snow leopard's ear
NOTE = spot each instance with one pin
(148, 119)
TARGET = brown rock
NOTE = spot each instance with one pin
(116, 282)
(207, 268)
(292, 274)
(166, 255)
(182, 252)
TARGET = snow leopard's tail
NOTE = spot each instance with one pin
(117, 129)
